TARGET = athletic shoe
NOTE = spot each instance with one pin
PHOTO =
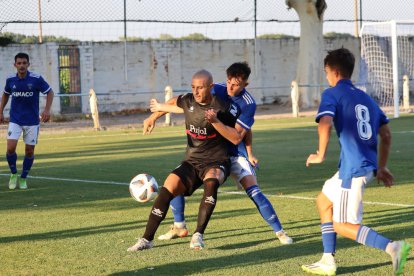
(142, 244)
(399, 258)
(13, 181)
(283, 237)
(23, 184)
(197, 242)
(174, 232)
(320, 268)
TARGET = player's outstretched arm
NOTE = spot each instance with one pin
(4, 100)
(45, 116)
(155, 106)
(149, 123)
(324, 132)
(383, 174)
(234, 135)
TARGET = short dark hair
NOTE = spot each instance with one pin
(21, 55)
(342, 60)
(239, 70)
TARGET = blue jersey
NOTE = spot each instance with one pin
(24, 108)
(357, 119)
(247, 106)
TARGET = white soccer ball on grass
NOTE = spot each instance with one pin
(143, 187)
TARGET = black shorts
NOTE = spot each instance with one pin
(192, 175)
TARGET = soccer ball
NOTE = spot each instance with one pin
(143, 187)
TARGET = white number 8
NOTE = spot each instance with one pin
(364, 128)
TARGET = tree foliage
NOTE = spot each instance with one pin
(33, 39)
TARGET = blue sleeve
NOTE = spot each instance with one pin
(7, 87)
(327, 106)
(246, 118)
(43, 86)
(220, 90)
(383, 119)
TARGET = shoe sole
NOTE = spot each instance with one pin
(404, 254)
(308, 270)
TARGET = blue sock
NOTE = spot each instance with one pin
(11, 159)
(27, 165)
(328, 237)
(264, 206)
(177, 207)
(369, 237)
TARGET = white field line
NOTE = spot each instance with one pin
(224, 192)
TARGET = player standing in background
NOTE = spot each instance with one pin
(358, 121)
(24, 87)
(242, 158)
(206, 161)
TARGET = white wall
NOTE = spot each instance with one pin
(151, 65)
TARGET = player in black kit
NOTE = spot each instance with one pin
(206, 161)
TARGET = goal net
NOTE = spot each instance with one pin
(387, 55)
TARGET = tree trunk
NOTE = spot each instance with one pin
(310, 67)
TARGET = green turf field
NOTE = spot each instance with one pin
(72, 220)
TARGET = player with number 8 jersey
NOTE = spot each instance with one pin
(358, 122)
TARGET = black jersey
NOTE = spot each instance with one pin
(204, 143)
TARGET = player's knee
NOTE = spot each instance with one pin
(323, 202)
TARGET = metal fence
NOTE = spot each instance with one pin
(110, 20)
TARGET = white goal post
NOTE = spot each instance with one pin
(387, 55)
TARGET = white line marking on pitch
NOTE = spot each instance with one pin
(223, 192)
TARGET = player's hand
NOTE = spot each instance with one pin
(149, 125)
(211, 116)
(154, 105)
(253, 161)
(45, 116)
(1, 118)
(314, 158)
(384, 175)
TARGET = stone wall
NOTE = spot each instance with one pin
(152, 65)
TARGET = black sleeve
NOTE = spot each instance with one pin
(180, 100)
(229, 115)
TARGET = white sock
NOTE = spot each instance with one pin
(391, 248)
(180, 224)
(328, 258)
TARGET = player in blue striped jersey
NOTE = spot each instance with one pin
(358, 121)
(24, 87)
(242, 158)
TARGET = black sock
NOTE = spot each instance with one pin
(207, 204)
(158, 213)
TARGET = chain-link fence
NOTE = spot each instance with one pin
(111, 20)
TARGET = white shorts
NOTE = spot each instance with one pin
(30, 133)
(240, 167)
(346, 199)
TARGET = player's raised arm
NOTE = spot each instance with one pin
(234, 134)
(149, 123)
(155, 106)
